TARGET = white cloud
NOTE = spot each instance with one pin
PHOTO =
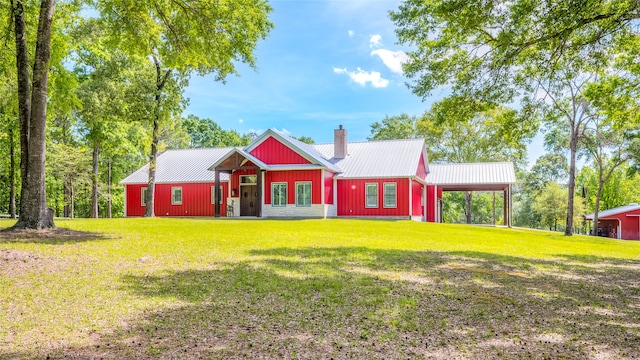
(241, 121)
(362, 77)
(285, 131)
(392, 59)
(351, 33)
(375, 41)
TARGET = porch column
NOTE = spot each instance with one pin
(216, 190)
(259, 186)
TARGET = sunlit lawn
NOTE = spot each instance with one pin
(203, 288)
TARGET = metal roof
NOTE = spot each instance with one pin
(472, 176)
(615, 211)
(389, 158)
(181, 166)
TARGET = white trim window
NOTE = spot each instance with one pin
(371, 195)
(143, 196)
(176, 195)
(213, 194)
(303, 194)
(279, 194)
(390, 195)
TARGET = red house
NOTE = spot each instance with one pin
(620, 223)
(278, 176)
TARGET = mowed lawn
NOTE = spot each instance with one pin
(319, 289)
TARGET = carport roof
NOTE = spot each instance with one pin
(491, 176)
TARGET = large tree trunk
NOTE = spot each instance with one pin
(468, 197)
(572, 179)
(12, 175)
(94, 180)
(34, 213)
(152, 170)
(24, 89)
(160, 83)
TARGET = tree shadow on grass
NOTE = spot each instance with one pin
(367, 303)
(56, 236)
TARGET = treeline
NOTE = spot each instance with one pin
(83, 175)
(459, 129)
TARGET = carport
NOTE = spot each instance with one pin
(491, 176)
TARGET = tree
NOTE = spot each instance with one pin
(206, 133)
(550, 167)
(32, 104)
(180, 38)
(458, 130)
(552, 207)
(480, 46)
(305, 139)
(400, 126)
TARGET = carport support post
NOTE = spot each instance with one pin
(510, 207)
(216, 192)
(505, 208)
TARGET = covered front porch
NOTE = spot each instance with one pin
(245, 197)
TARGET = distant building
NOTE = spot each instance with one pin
(620, 223)
(279, 176)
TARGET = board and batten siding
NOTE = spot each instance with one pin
(416, 199)
(422, 170)
(271, 151)
(291, 177)
(196, 200)
(328, 187)
(134, 200)
(352, 198)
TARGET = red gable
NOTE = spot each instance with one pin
(273, 152)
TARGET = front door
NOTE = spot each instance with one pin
(249, 200)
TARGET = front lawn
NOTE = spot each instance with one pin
(203, 288)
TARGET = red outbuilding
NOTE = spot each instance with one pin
(279, 176)
(619, 223)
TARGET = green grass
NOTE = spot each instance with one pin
(203, 288)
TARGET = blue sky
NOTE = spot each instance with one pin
(325, 63)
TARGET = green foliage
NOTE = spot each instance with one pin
(206, 133)
(304, 139)
(458, 129)
(489, 48)
(620, 189)
(395, 127)
(551, 205)
(548, 168)
(205, 36)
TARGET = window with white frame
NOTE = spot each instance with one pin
(371, 195)
(143, 196)
(176, 195)
(390, 195)
(213, 195)
(279, 194)
(303, 194)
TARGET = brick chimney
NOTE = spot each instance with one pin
(340, 143)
